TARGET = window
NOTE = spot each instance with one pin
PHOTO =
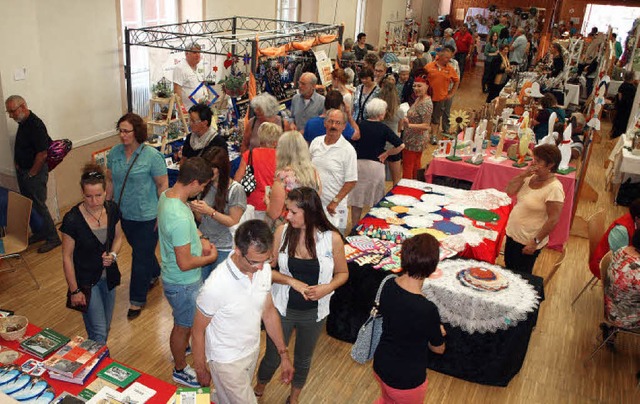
(361, 10)
(288, 10)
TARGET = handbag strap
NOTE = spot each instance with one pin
(250, 160)
(127, 175)
(377, 301)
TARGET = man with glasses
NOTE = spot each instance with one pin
(337, 164)
(30, 157)
(186, 76)
(184, 252)
(307, 103)
(226, 328)
(203, 135)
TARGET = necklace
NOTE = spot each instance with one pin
(97, 219)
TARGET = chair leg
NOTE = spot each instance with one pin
(26, 264)
(604, 342)
(583, 290)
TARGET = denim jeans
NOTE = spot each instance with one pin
(182, 299)
(97, 318)
(207, 269)
(308, 331)
(35, 188)
(143, 238)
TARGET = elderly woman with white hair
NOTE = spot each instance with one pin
(447, 39)
(265, 107)
(421, 60)
(371, 153)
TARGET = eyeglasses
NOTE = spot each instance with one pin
(122, 130)
(191, 121)
(11, 111)
(257, 264)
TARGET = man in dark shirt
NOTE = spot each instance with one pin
(30, 156)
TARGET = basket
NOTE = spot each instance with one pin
(11, 322)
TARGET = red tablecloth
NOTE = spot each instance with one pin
(164, 390)
(497, 175)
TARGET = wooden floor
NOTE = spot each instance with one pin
(554, 369)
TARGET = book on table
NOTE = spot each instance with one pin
(72, 358)
(44, 343)
(118, 374)
(84, 373)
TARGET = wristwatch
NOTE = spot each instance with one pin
(535, 240)
(336, 200)
(114, 255)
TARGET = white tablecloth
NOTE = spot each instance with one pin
(614, 85)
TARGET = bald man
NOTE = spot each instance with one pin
(307, 103)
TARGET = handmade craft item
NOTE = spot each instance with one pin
(523, 147)
(550, 139)
(565, 151)
(497, 157)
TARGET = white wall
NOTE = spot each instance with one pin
(242, 8)
(70, 52)
(391, 10)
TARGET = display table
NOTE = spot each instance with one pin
(164, 390)
(626, 165)
(491, 358)
(497, 175)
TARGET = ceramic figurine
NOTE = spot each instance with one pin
(549, 139)
(565, 149)
(500, 147)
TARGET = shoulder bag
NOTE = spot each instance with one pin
(370, 332)
(248, 182)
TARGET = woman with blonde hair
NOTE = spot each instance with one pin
(393, 118)
(293, 170)
(263, 162)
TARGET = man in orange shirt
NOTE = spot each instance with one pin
(441, 74)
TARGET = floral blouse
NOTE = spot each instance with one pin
(420, 112)
(622, 290)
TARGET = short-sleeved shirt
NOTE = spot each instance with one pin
(188, 79)
(530, 211)
(411, 322)
(315, 127)
(336, 164)
(393, 122)
(263, 161)
(361, 53)
(439, 79)
(176, 228)
(235, 304)
(140, 196)
(303, 110)
(420, 112)
(497, 29)
(32, 138)
(216, 232)
(519, 53)
(463, 41)
(375, 136)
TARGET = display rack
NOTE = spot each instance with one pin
(401, 33)
(242, 38)
(172, 104)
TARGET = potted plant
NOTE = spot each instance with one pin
(162, 89)
(235, 84)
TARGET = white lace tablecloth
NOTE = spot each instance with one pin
(480, 311)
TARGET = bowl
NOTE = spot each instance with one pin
(13, 328)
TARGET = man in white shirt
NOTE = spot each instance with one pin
(519, 48)
(337, 165)
(226, 327)
(186, 77)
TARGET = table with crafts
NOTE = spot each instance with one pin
(470, 225)
(492, 174)
(163, 390)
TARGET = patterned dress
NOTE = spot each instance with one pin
(622, 290)
(420, 112)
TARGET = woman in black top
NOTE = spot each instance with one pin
(558, 60)
(203, 135)
(91, 239)
(311, 265)
(411, 326)
(624, 104)
(499, 72)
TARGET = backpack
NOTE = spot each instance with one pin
(57, 151)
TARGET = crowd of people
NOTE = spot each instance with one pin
(281, 267)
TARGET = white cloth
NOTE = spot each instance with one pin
(336, 164)
(573, 94)
(324, 251)
(232, 381)
(188, 79)
(234, 303)
(475, 310)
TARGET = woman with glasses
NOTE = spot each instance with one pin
(416, 128)
(311, 265)
(91, 240)
(136, 176)
(222, 206)
(365, 92)
(203, 135)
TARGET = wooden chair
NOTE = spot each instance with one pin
(556, 266)
(604, 266)
(16, 239)
(595, 231)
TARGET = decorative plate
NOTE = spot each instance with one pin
(482, 215)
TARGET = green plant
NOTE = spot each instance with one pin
(235, 81)
(163, 88)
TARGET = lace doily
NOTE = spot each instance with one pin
(435, 199)
(418, 221)
(489, 199)
(402, 200)
(382, 213)
(480, 311)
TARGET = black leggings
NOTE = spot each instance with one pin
(515, 260)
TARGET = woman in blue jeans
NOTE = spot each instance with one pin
(91, 239)
(136, 176)
(312, 265)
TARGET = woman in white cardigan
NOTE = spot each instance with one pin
(311, 265)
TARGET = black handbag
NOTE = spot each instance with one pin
(248, 182)
(628, 193)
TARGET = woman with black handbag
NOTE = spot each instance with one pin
(91, 239)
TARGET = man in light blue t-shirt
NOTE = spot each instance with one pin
(183, 254)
